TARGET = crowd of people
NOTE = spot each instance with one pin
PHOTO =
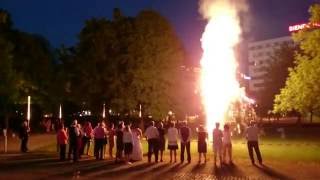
(126, 138)
(79, 138)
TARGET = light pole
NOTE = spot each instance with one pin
(29, 110)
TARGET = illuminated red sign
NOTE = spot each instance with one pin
(298, 27)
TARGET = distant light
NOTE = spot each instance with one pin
(298, 27)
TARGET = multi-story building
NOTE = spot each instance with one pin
(259, 56)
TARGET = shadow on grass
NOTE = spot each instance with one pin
(122, 169)
(151, 172)
(272, 173)
(198, 168)
(230, 170)
(86, 167)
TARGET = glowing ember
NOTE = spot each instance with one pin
(219, 86)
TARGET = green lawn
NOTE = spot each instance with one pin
(272, 149)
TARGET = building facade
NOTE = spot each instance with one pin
(259, 56)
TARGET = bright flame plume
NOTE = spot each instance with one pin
(219, 86)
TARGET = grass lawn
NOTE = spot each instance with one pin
(272, 149)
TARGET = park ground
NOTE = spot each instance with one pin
(283, 159)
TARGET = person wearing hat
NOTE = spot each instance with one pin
(252, 133)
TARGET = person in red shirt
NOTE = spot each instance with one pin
(62, 139)
(88, 134)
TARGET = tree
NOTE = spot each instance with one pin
(302, 89)
(26, 67)
(126, 62)
(8, 80)
(277, 71)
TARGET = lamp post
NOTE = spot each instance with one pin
(29, 110)
(60, 112)
(104, 111)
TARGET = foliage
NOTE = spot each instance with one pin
(26, 63)
(275, 77)
(125, 62)
(302, 88)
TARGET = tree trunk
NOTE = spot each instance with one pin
(311, 116)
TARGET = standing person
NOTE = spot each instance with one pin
(111, 134)
(152, 135)
(217, 143)
(162, 140)
(86, 140)
(119, 142)
(62, 139)
(88, 134)
(105, 140)
(137, 154)
(128, 143)
(227, 145)
(185, 135)
(80, 145)
(202, 143)
(252, 133)
(99, 134)
(74, 132)
(24, 136)
(173, 141)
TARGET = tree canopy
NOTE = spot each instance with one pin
(26, 63)
(125, 62)
(302, 89)
(277, 71)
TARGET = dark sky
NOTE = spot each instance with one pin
(61, 20)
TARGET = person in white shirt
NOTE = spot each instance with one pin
(252, 133)
(226, 144)
(173, 141)
(152, 135)
(185, 135)
(217, 143)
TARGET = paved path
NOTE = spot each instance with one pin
(45, 165)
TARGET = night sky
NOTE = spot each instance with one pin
(61, 20)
